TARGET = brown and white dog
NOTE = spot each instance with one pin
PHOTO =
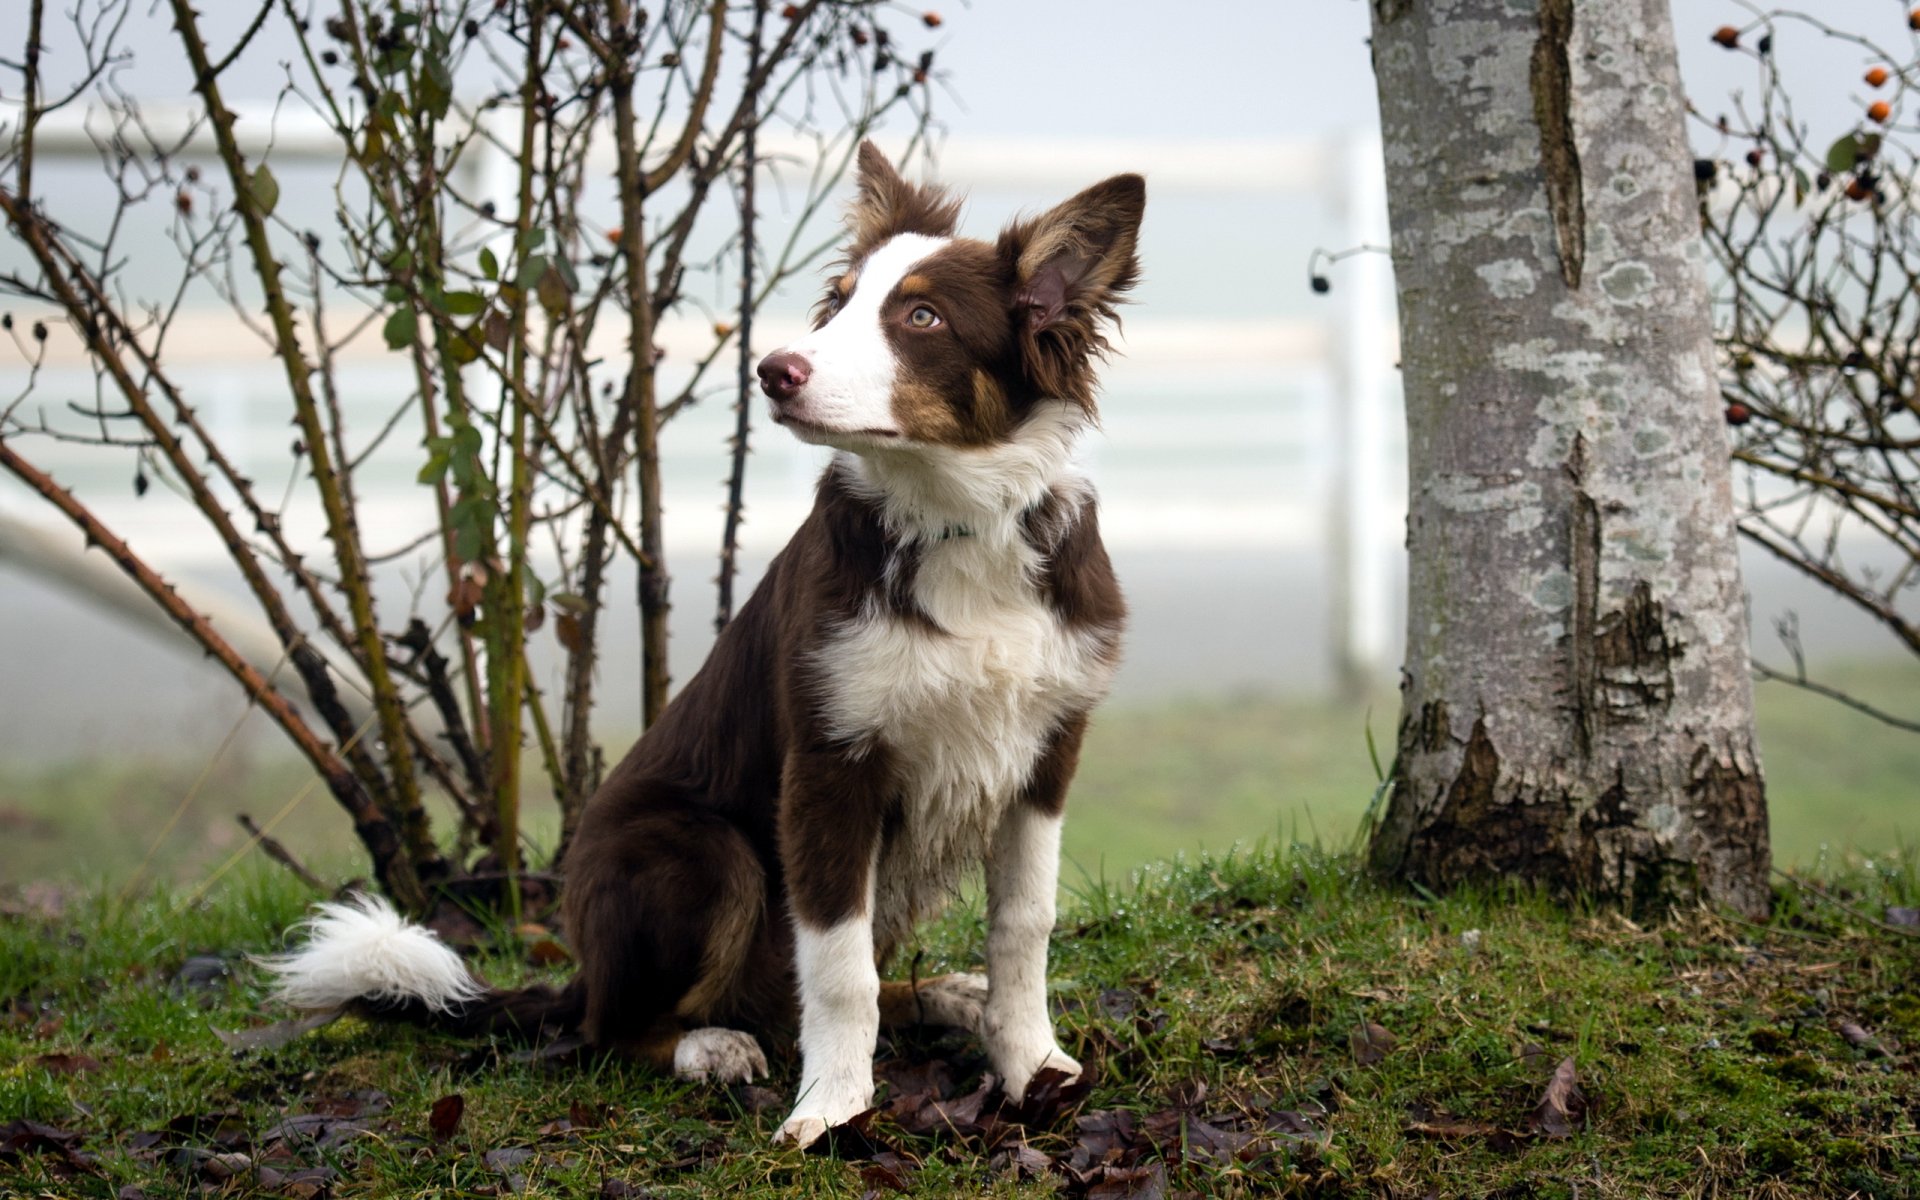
(902, 698)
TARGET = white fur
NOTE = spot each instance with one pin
(849, 394)
(839, 1024)
(967, 710)
(926, 491)
(1022, 877)
(363, 949)
(718, 1055)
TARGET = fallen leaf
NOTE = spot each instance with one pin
(360, 1102)
(753, 1098)
(202, 972)
(22, 1137)
(1564, 1106)
(66, 1063)
(230, 1165)
(1021, 1161)
(887, 1170)
(444, 1118)
(587, 1116)
(1429, 1123)
(318, 1130)
(226, 1130)
(1861, 1040)
(1371, 1043)
(1148, 1182)
(278, 1034)
(1184, 1136)
(852, 1140)
(505, 1162)
(1050, 1093)
(1906, 918)
(1105, 1137)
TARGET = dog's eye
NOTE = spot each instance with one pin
(923, 317)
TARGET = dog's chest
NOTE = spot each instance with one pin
(964, 709)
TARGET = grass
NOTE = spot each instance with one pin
(1712, 1051)
(1180, 775)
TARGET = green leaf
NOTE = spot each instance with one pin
(466, 542)
(463, 347)
(530, 241)
(1843, 154)
(436, 88)
(401, 328)
(489, 265)
(553, 292)
(464, 304)
(1801, 186)
(531, 269)
(434, 470)
(264, 189)
(394, 293)
(466, 440)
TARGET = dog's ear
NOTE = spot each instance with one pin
(885, 204)
(1070, 267)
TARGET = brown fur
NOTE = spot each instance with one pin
(738, 812)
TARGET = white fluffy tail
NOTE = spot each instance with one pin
(363, 950)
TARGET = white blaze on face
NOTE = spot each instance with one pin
(850, 389)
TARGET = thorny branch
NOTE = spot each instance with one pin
(463, 220)
(1817, 298)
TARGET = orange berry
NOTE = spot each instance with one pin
(615, 234)
(1859, 190)
(1729, 37)
(791, 12)
(1880, 110)
(1913, 19)
(932, 20)
(1877, 76)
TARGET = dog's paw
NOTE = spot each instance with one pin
(1018, 1069)
(718, 1056)
(800, 1131)
(955, 1001)
(822, 1108)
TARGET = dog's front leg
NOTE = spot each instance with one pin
(1023, 873)
(829, 833)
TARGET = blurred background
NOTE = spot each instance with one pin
(1250, 464)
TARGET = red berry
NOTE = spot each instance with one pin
(1729, 37)
(1877, 76)
(1738, 413)
(1880, 110)
(1859, 189)
(791, 12)
(931, 19)
(1754, 156)
(1913, 19)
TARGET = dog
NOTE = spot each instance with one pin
(901, 701)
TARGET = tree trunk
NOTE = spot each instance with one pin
(1577, 708)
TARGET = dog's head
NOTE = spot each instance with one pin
(928, 339)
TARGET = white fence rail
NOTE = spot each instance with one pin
(1246, 415)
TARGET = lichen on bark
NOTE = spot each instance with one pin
(1576, 699)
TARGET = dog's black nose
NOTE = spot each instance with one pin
(783, 373)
